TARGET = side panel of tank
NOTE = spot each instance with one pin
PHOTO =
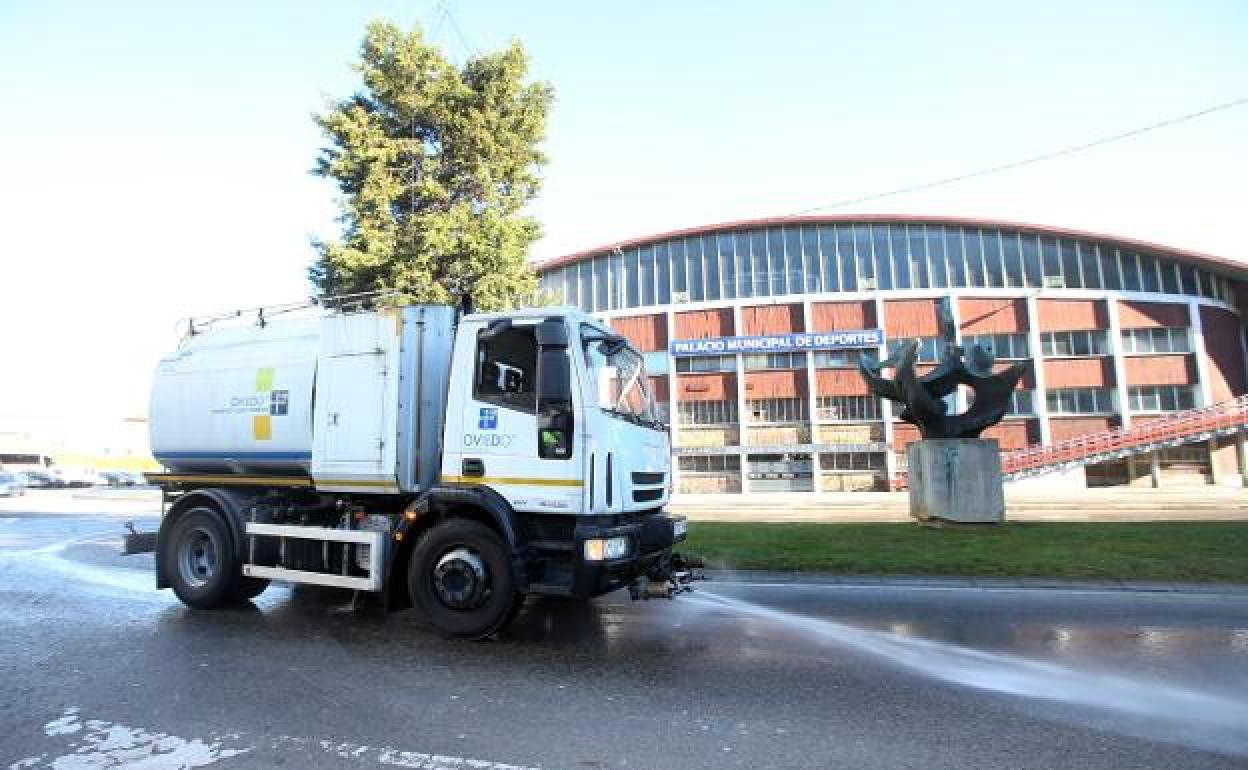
(237, 400)
(354, 444)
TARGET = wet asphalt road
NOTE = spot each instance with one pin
(98, 669)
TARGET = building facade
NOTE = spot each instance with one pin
(752, 332)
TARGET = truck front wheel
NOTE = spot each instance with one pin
(199, 561)
(459, 578)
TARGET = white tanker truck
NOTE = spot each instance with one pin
(453, 464)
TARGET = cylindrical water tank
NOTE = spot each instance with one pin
(237, 400)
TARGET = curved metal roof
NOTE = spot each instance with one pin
(1224, 265)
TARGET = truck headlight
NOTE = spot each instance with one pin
(680, 527)
(606, 548)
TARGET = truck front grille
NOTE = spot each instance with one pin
(648, 478)
(647, 495)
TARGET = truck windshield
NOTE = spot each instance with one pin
(619, 376)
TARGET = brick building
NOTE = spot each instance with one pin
(752, 332)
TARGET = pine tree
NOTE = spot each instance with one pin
(435, 165)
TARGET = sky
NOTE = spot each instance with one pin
(154, 156)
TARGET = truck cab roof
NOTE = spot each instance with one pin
(529, 312)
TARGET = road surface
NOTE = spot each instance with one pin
(97, 669)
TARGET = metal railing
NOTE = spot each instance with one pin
(1104, 446)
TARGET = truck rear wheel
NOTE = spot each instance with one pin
(199, 561)
(459, 578)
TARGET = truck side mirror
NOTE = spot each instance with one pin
(555, 417)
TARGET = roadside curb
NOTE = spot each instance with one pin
(982, 583)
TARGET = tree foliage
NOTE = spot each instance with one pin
(435, 164)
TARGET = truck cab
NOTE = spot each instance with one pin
(556, 417)
(456, 464)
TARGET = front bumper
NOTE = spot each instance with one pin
(651, 536)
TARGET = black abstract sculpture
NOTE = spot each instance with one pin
(924, 396)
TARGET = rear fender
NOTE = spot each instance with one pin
(229, 504)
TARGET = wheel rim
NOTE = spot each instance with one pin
(461, 580)
(197, 558)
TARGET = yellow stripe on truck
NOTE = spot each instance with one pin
(386, 484)
(268, 481)
(250, 481)
(390, 483)
(516, 481)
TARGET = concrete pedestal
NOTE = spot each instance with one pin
(956, 480)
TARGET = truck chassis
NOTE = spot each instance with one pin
(458, 553)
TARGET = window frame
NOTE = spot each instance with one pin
(1102, 401)
(863, 408)
(479, 360)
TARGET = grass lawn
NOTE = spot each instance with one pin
(1197, 551)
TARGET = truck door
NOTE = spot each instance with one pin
(501, 438)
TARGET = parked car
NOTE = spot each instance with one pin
(11, 484)
(122, 478)
(80, 477)
(136, 479)
(40, 480)
(115, 478)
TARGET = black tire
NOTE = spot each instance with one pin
(247, 588)
(488, 609)
(198, 560)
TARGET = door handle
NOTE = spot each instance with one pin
(473, 466)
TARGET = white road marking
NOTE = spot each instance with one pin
(99, 745)
(66, 725)
(387, 755)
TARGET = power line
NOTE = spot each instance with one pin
(469, 50)
(1071, 150)
(439, 16)
(443, 17)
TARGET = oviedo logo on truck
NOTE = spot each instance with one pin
(487, 420)
(488, 440)
(265, 404)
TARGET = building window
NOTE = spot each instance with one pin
(837, 359)
(1080, 401)
(769, 410)
(852, 461)
(929, 351)
(1161, 398)
(1000, 345)
(850, 257)
(707, 412)
(1092, 342)
(1160, 340)
(1020, 403)
(710, 464)
(847, 408)
(758, 361)
(703, 364)
(781, 473)
(656, 362)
